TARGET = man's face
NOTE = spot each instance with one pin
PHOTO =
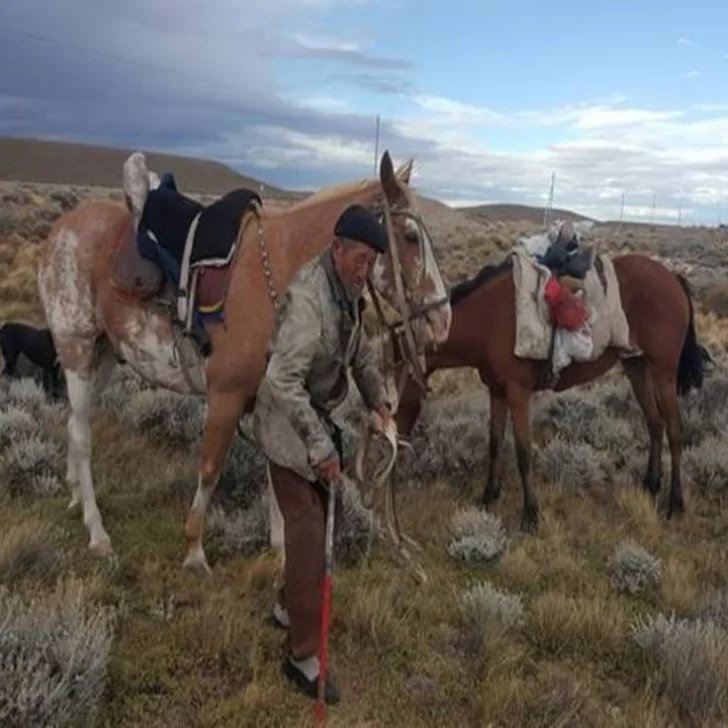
(353, 263)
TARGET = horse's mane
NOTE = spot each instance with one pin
(489, 271)
(344, 189)
(329, 193)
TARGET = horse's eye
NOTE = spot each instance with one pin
(412, 236)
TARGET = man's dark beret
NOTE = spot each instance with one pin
(357, 223)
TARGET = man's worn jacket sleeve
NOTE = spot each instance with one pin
(367, 376)
(288, 369)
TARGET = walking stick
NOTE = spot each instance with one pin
(326, 606)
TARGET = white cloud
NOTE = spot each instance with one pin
(325, 104)
(694, 73)
(281, 147)
(315, 43)
(686, 42)
(647, 213)
(601, 117)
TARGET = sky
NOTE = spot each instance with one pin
(617, 98)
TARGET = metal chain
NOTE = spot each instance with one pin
(267, 269)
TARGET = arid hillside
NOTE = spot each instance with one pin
(519, 213)
(64, 163)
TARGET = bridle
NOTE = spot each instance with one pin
(409, 304)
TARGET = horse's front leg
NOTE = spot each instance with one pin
(498, 417)
(519, 401)
(223, 414)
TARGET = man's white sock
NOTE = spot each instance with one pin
(309, 666)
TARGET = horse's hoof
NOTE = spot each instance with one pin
(197, 564)
(675, 507)
(652, 485)
(100, 549)
(490, 496)
(530, 520)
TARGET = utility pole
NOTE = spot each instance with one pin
(376, 146)
(679, 216)
(621, 210)
(550, 204)
(654, 204)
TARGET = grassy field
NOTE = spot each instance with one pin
(609, 616)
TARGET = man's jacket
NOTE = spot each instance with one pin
(318, 336)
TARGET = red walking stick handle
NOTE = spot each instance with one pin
(326, 606)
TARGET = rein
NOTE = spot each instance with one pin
(409, 310)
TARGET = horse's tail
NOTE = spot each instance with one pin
(693, 357)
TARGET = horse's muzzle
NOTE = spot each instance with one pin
(438, 320)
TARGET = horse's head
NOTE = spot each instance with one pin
(408, 276)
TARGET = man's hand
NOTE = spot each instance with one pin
(329, 470)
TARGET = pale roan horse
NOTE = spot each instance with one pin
(94, 327)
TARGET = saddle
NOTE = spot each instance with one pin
(187, 246)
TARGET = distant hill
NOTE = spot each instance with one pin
(64, 163)
(520, 213)
(41, 161)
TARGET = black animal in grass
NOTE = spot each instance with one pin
(36, 344)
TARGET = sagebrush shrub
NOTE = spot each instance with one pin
(690, 661)
(633, 569)
(484, 609)
(477, 535)
(166, 416)
(27, 395)
(358, 528)
(28, 551)
(32, 464)
(53, 657)
(450, 439)
(15, 424)
(707, 465)
(240, 533)
(705, 412)
(575, 464)
(243, 473)
(716, 608)
(574, 418)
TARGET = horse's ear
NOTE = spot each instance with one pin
(135, 183)
(404, 173)
(388, 178)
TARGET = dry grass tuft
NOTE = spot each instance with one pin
(28, 550)
(690, 664)
(561, 625)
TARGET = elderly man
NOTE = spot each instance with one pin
(318, 337)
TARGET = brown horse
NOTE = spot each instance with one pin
(659, 312)
(94, 324)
